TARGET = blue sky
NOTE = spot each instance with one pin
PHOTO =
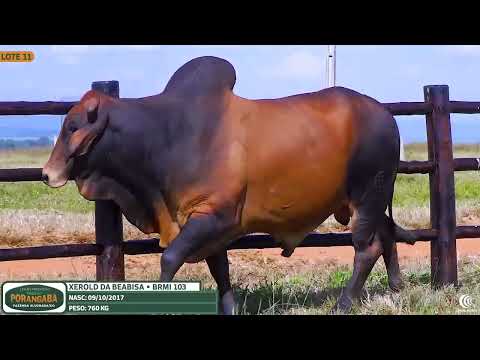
(387, 73)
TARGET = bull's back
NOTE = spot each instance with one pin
(299, 150)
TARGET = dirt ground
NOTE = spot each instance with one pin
(84, 267)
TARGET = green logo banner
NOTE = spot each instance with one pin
(74, 297)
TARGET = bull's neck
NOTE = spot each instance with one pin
(141, 140)
(152, 143)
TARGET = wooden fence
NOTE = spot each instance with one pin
(440, 166)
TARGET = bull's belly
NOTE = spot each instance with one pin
(289, 220)
(289, 233)
(287, 225)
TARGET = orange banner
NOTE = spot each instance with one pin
(16, 56)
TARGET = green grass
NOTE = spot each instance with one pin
(39, 196)
(418, 151)
(36, 195)
(316, 293)
(339, 278)
(32, 157)
(413, 190)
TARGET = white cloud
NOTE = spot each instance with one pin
(298, 64)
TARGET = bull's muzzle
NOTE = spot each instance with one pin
(54, 179)
(45, 178)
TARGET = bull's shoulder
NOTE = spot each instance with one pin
(202, 76)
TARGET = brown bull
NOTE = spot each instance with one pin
(202, 166)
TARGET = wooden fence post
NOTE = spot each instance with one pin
(442, 187)
(108, 219)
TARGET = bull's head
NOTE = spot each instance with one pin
(84, 123)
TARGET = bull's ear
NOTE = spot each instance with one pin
(82, 139)
(92, 110)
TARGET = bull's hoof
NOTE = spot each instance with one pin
(287, 253)
(343, 305)
(226, 305)
(411, 240)
(396, 285)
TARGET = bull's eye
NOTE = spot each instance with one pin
(72, 128)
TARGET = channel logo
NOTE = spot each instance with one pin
(33, 298)
(465, 301)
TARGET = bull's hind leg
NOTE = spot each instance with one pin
(369, 204)
(390, 255)
(218, 265)
(368, 248)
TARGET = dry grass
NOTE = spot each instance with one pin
(41, 227)
(418, 151)
(34, 228)
(412, 218)
(31, 157)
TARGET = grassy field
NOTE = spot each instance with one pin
(315, 291)
(35, 195)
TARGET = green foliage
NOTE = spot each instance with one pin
(36, 195)
(339, 278)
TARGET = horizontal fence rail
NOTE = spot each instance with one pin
(408, 108)
(251, 241)
(464, 107)
(36, 108)
(405, 167)
(63, 107)
(23, 174)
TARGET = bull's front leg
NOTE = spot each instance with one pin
(197, 231)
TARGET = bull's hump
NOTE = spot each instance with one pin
(202, 76)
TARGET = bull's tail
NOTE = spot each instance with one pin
(399, 233)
